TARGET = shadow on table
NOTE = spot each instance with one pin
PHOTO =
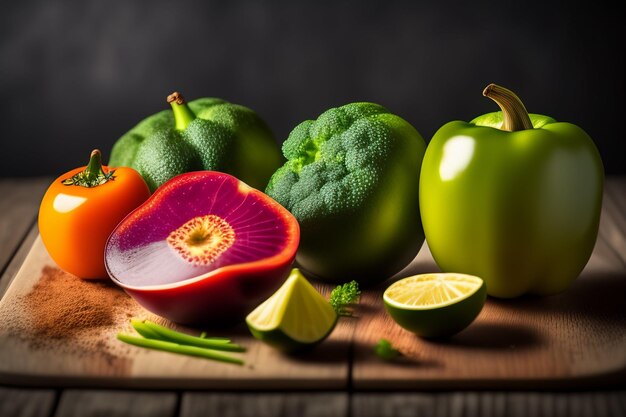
(593, 296)
(494, 336)
(328, 351)
(339, 351)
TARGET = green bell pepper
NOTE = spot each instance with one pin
(512, 198)
(204, 134)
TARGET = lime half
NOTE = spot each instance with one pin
(295, 317)
(435, 305)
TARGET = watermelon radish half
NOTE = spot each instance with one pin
(205, 248)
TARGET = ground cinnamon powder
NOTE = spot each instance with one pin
(63, 312)
(62, 306)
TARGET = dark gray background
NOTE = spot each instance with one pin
(75, 75)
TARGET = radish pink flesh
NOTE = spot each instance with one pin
(138, 252)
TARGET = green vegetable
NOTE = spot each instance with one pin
(144, 330)
(385, 350)
(204, 134)
(351, 179)
(512, 198)
(176, 348)
(154, 331)
(159, 337)
(344, 295)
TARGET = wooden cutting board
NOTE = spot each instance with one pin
(575, 339)
(96, 358)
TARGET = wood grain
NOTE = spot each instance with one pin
(19, 204)
(80, 403)
(17, 261)
(613, 231)
(115, 364)
(284, 404)
(19, 207)
(26, 402)
(491, 404)
(577, 338)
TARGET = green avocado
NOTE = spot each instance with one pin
(204, 134)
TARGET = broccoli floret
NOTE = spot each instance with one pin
(334, 162)
(352, 181)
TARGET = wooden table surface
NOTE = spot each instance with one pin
(19, 201)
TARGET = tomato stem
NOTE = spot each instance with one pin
(514, 114)
(182, 113)
(94, 167)
(93, 175)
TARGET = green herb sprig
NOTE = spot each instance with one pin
(385, 350)
(343, 296)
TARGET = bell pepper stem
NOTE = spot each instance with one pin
(514, 114)
(182, 113)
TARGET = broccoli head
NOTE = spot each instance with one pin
(351, 179)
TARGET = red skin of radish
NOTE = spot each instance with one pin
(221, 293)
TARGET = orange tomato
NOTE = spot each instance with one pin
(80, 210)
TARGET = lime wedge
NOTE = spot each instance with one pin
(295, 317)
(435, 305)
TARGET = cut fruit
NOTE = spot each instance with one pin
(205, 248)
(295, 317)
(435, 305)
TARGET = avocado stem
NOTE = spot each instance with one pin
(182, 113)
(514, 114)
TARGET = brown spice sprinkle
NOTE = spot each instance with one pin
(70, 316)
(61, 305)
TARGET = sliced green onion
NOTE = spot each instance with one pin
(163, 333)
(176, 348)
(163, 329)
(203, 335)
(144, 330)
